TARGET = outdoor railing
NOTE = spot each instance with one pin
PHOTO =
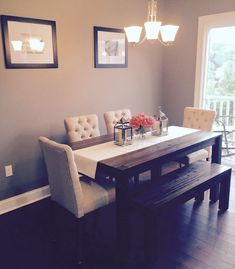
(224, 107)
(225, 113)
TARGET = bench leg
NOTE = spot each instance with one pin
(199, 197)
(214, 193)
(224, 192)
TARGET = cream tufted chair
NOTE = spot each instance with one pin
(201, 119)
(81, 127)
(67, 189)
(197, 118)
(111, 117)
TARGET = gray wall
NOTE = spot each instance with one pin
(35, 102)
(179, 62)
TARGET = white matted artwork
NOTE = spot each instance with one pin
(29, 43)
(110, 47)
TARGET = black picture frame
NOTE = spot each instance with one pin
(110, 48)
(23, 30)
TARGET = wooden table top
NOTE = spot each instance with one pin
(91, 141)
(160, 153)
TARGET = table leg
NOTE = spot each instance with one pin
(216, 158)
(156, 172)
(136, 179)
(217, 150)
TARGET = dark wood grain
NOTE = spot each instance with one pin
(91, 142)
(144, 159)
(191, 236)
(176, 188)
(155, 155)
(125, 166)
(182, 185)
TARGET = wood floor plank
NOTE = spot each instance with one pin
(191, 236)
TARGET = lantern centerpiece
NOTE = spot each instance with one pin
(123, 133)
(162, 128)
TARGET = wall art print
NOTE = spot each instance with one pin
(29, 43)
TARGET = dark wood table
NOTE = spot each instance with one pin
(151, 158)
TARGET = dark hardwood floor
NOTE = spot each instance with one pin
(189, 236)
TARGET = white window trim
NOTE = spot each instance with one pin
(205, 23)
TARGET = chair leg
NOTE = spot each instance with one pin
(226, 142)
(224, 192)
(79, 240)
(53, 223)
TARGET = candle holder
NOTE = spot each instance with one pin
(123, 133)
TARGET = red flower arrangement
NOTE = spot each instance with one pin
(141, 122)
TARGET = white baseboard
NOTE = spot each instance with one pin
(24, 199)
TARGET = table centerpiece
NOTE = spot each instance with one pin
(142, 123)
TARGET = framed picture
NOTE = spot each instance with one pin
(110, 47)
(29, 43)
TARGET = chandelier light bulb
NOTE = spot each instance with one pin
(133, 33)
(168, 32)
(152, 28)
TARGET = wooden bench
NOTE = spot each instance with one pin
(180, 186)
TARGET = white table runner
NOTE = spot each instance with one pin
(86, 159)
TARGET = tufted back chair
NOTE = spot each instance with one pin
(111, 117)
(82, 127)
(79, 196)
(201, 119)
(197, 118)
(63, 177)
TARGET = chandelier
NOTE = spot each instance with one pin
(152, 29)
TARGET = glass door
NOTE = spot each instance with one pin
(219, 83)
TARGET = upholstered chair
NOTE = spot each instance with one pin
(201, 119)
(111, 117)
(68, 190)
(81, 127)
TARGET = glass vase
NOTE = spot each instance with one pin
(141, 132)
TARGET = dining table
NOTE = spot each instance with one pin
(101, 155)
